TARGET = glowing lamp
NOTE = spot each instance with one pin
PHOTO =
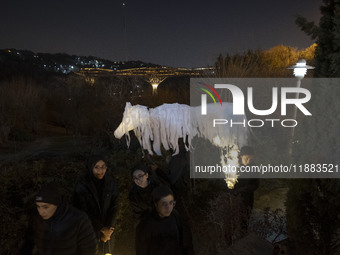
(300, 69)
(154, 86)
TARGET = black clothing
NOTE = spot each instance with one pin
(101, 209)
(49, 194)
(141, 199)
(178, 168)
(93, 160)
(67, 232)
(241, 201)
(246, 188)
(98, 184)
(165, 236)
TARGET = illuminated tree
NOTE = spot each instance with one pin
(279, 57)
(309, 54)
(262, 63)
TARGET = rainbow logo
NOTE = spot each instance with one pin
(209, 93)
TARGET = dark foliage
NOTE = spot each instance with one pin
(313, 205)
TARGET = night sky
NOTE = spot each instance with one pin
(172, 33)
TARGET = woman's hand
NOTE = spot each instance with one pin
(107, 232)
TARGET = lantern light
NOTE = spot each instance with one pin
(300, 69)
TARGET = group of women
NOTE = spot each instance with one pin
(87, 226)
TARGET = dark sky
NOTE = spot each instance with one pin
(172, 33)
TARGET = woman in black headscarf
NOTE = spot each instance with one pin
(140, 195)
(58, 228)
(97, 194)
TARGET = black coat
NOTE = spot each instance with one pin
(67, 232)
(165, 236)
(246, 188)
(102, 211)
(141, 199)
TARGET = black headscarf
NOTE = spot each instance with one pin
(50, 194)
(92, 161)
(141, 167)
(90, 165)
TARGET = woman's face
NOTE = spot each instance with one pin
(165, 206)
(46, 210)
(246, 159)
(99, 169)
(140, 178)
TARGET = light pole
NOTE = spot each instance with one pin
(300, 70)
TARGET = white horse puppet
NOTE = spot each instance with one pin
(165, 124)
